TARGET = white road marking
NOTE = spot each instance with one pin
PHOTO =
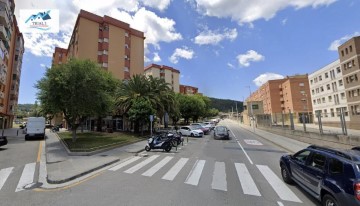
(171, 174)
(280, 203)
(27, 176)
(247, 183)
(150, 172)
(141, 164)
(124, 163)
(4, 174)
(279, 186)
(252, 142)
(195, 174)
(219, 177)
(251, 162)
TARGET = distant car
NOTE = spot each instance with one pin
(3, 141)
(191, 131)
(203, 127)
(210, 124)
(221, 132)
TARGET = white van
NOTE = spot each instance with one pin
(35, 127)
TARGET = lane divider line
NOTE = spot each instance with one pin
(251, 162)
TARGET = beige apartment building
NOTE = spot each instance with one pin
(169, 74)
(291, 94)
(11, 54)
(349, 54)
(251, 110)
(113, 44)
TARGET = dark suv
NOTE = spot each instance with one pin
(330, 175)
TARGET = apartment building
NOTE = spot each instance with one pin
(281, 96)
(185, 89)
(11, 52)
(328, 94)
(251, 109)
(349, 54)
(169, 74)
(59, 56)
(113, 44)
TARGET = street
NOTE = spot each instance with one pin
(241, 171)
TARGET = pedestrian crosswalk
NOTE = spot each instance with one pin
(156, 164)
(26, 179)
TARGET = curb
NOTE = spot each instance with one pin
(81, 174)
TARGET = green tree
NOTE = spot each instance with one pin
(140, 111)
(78, 89)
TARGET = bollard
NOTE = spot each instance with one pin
(187, 139)
(17, 133)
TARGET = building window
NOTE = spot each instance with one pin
(317, 90)
(320, 78)
(338, 69)
(323, 100)
(325, 113)
(332, 112)
(321, 88)
(126, 46)
(328, 86)
(342, 52)
(341, 82)
(326, 75)
(126, 69)
(301, 84)
(314, 101)
(313, 92)
(330, 98)
(350, 47)
(311, 81)
(106, 40)
(342, 95)
(353, 62)
(126, 34)
(349, 65)
(346, 51)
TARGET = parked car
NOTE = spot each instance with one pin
(191, 131)
(3, 141)
(330, 175)
(210, 124)
(221, 132)
(202, 127)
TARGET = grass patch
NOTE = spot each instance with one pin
(92, 141)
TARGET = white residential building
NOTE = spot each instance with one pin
(328, 94)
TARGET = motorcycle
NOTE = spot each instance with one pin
(156, 142)
(55, 129)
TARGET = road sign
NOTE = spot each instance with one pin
(151, 118)
(252, 142)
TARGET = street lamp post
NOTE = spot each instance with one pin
(252, 112)
(307, 111)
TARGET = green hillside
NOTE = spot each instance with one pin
(224, 105)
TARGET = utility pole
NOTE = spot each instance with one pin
(252, 112)
(237, 113)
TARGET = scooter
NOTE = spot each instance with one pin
(156, 142)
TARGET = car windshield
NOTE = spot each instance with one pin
(196, 127)
(221, 129)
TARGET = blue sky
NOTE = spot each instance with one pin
(219, 46)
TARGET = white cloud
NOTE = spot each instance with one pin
(43, 65)
(158, 4)
(244, 11)
(156, 57)
(230, 65)
(336, 43)
(284, 21)
(263, 78)
(214, 37)
(184, 52)
(250, 56)
(156, 29)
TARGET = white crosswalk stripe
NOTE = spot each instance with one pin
(247, 183)
(150, 172)
(141, 164)
(4, 174)
(279, 186)
(195, 173)
(171, 174)
(27, 176)
(125, 163)
(219, 177)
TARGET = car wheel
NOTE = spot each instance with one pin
(285, 174)
(191, 135)
(329, 200)
(147, 148)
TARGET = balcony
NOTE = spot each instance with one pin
(1, 101)
(281, 93)
(3, 33)
(282, 106)
(4, 19)
(281, 99)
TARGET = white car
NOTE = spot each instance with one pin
(190, 131)
(210, 124)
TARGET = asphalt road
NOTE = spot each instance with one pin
(241, 171)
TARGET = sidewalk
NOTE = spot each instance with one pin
(327, 129)
(289, 144)
(63, 168)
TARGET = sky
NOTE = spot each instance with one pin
(226, 48)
